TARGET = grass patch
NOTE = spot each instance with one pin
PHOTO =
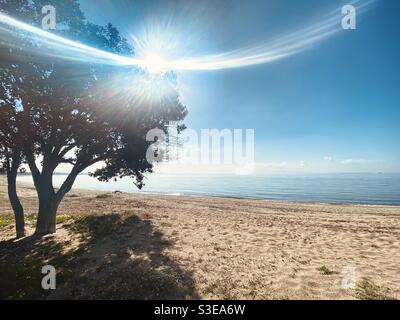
(20, 270)
(100, 225)
(31, 217)
(6, 220)
(222, 288)
(130, 267)
(21, 280)
(97, 226)
(62, 218)
(367, 290)
(103, 196)
(326, 271)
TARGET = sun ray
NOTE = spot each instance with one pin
(154, 62)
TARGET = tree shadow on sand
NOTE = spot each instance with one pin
(107, 256)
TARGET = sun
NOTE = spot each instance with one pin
(154, 63)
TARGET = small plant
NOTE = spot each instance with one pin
(367, 290)
(103, 196)
(326, 272)
(222, 288)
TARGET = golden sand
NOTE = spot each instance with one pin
(252, 249)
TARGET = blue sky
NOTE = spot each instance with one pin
(333, 107)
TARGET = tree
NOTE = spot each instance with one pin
(10, 160)
(67, 112)
(11, 156)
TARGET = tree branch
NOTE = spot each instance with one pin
(68, 160)
(66, 150)
(32, 165)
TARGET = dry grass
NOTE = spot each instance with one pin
(367, 290)
(327, 272)
(104, 196)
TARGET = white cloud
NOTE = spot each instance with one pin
(328, 158)
(280, 166)
(272, 165)
(357, 161)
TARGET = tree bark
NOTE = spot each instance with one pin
(49, 201)
(15, 202)
(48, 205)
(46, 222)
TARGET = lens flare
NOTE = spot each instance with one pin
(153, 62)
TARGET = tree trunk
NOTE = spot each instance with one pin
(46, 221)
(49, 201)
(48, 205)
(15, 203)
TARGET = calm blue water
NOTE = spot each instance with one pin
(330, 188)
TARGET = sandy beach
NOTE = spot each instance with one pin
(135, 246)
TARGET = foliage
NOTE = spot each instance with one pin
(66, 112)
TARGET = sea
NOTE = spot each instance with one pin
(355, 188)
